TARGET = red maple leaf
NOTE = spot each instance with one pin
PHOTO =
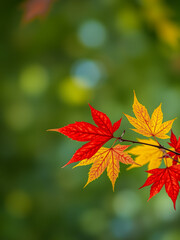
(169, 177)
(176, 145)
(95, 137)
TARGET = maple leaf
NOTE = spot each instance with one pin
(169, 177)
(146, 154)
(149, 126)
(176, 145)
(95, 136)
(107, 158)
(35, 8)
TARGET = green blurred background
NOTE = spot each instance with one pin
(51, 67)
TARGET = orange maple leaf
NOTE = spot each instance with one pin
(107, 158)
(149, 126)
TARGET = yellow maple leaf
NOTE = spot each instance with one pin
(107, 158)
(148, 154)
(149, 126)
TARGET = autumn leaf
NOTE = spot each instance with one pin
(169, 177)
(148, 155)
(35, 8)
(107, 158)
(149, 126)
(176, 145)
(95, 137)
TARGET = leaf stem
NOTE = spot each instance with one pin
(114, 142)
(156, 140)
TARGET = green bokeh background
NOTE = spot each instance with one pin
(82, 52)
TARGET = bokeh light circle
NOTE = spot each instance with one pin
(73, 94)
(92, 34)
(34, 80)
(87, 73)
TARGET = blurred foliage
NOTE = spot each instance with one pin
(52, 65)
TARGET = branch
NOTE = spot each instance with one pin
(148, 144)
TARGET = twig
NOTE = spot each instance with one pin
(148, 144)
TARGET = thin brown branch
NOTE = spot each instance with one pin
(148, 144)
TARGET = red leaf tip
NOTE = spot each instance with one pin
(90, 105)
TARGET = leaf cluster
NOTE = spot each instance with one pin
(148, 151)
